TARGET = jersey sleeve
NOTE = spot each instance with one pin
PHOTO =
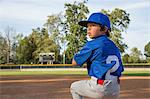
(83, 55)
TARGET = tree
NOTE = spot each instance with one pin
(120, 20)
(147, 52)
(125, 58)
(3, 50)
(135, 55)
(44, 44)
(37, 42)
(8, 41)
(15, 45)
(23, 51)
(54, 26)
(75, 34)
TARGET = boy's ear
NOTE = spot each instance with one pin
(105, 29)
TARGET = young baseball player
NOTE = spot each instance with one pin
(103, 61)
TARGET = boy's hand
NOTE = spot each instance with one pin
(74, 63)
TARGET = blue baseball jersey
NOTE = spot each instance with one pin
(101, 55)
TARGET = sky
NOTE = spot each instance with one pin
(25, 15)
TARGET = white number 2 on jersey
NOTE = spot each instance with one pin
(109, 59)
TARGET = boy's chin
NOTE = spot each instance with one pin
(91, 37)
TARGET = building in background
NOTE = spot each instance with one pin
(46, 58)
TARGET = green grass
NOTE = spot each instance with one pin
(43, 73)
(14, 72)
(136, 73)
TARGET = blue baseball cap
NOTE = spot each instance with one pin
(98, 18)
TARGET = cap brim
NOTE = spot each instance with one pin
(83, 23)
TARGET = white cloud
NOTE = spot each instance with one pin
(32, 10)
(27, 11)
(136, 5)
(96, 5)
(24, 15)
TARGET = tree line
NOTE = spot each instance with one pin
(62, 35)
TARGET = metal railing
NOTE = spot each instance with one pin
(26, 66)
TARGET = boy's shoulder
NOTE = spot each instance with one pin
(98, 42)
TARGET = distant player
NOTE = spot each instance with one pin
(103, 61)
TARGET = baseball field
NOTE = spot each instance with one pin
(55, 83)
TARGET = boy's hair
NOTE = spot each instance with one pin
(103, 29)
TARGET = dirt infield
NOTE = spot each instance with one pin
(57, 87)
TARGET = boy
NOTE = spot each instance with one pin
(103, 61)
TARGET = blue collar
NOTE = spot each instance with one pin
(100, 36)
